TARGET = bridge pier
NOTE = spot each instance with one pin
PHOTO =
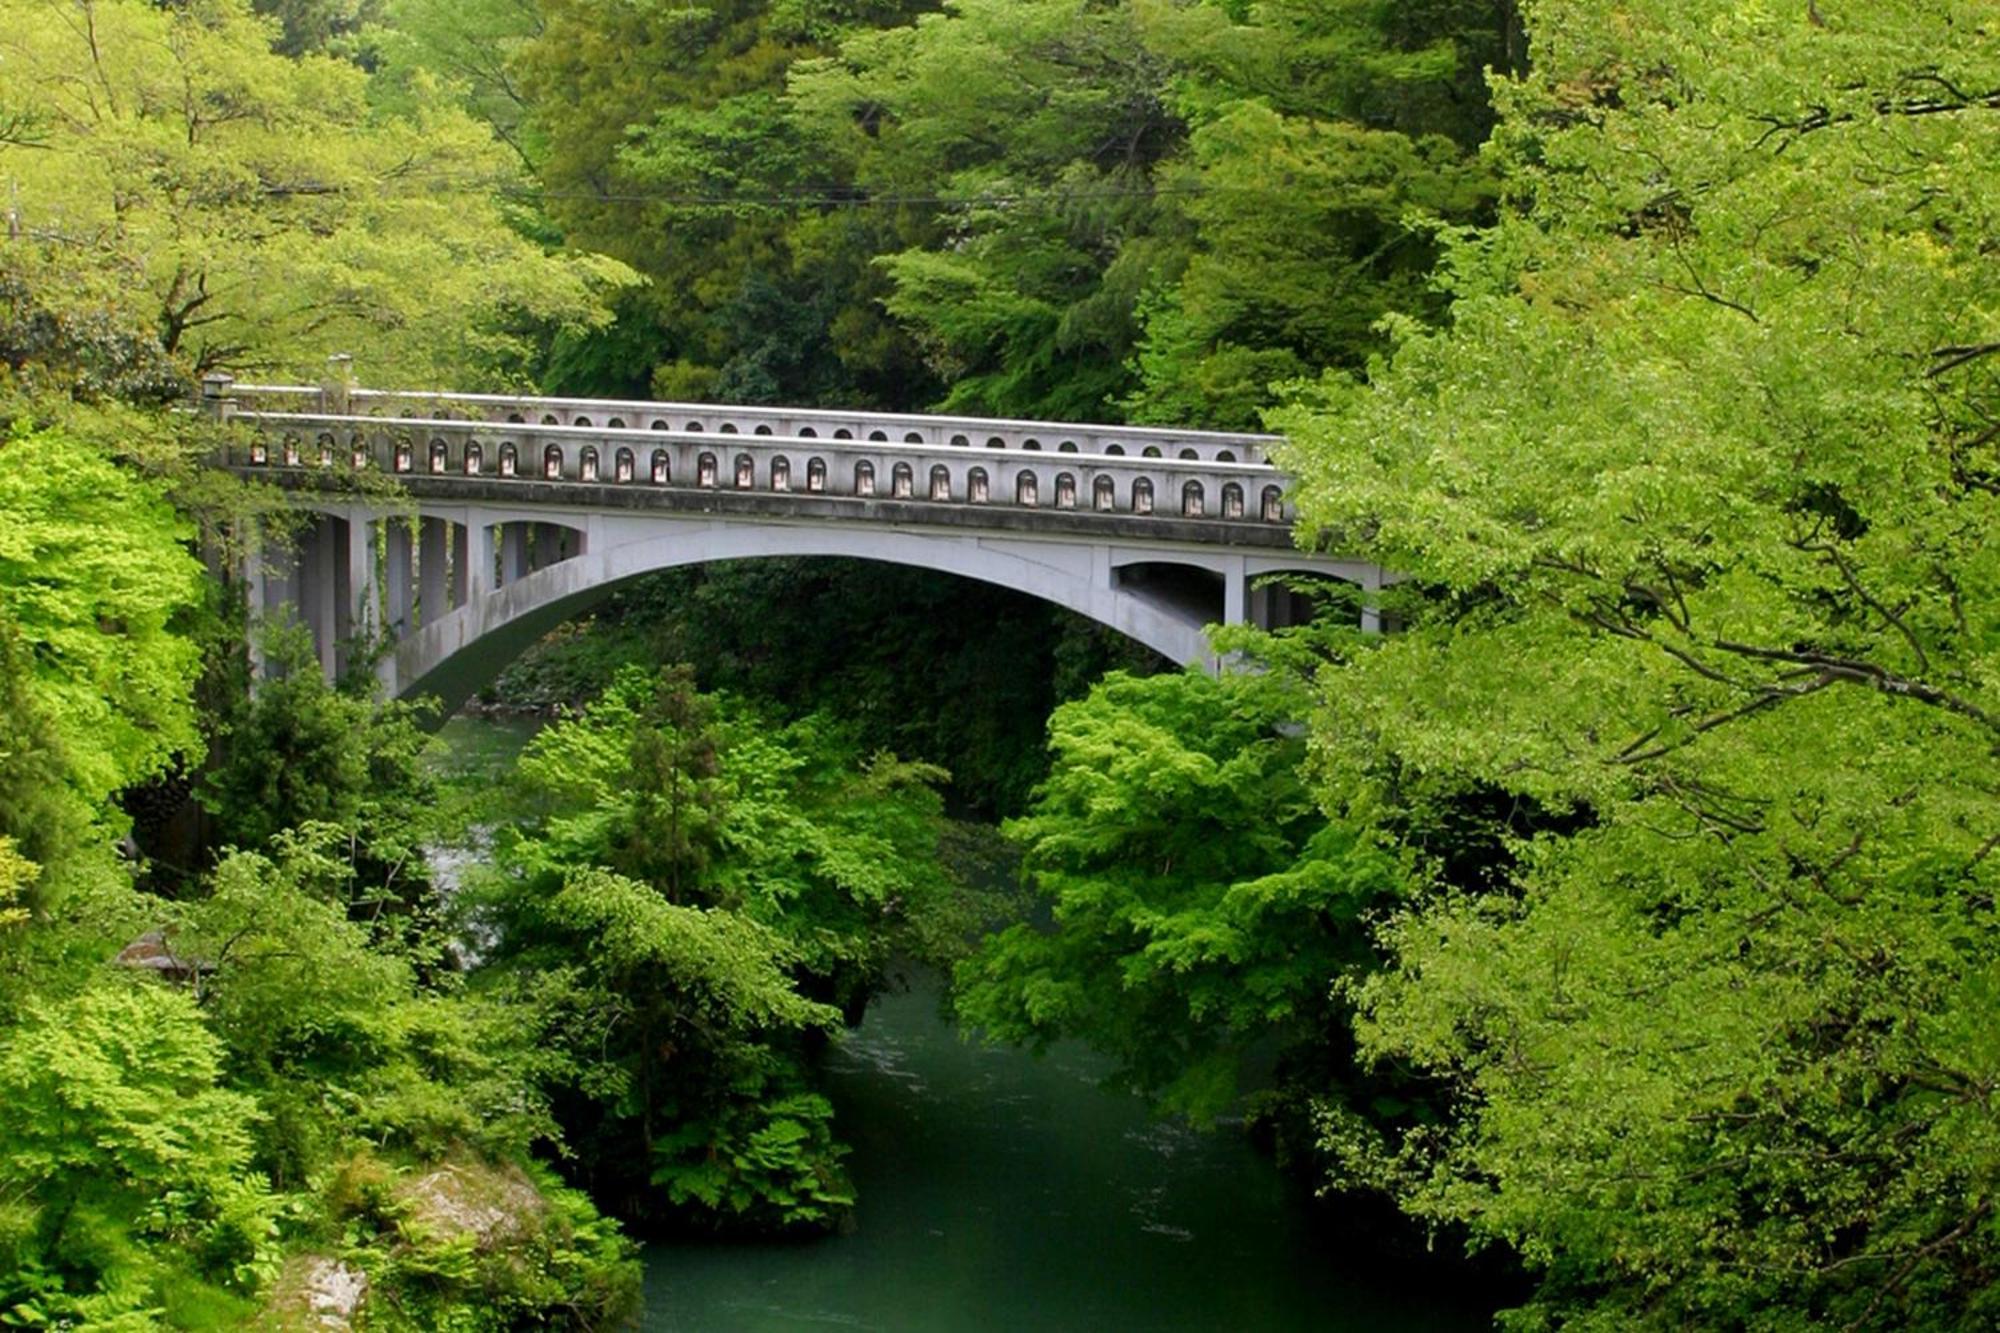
(433, 569)
(399, 590)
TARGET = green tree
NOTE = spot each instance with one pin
(270, 217)
(93, 578)
(696, 899)
(1201, 905)
(117, 1129)
(1695, 497)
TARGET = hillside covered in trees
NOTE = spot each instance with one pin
(1627, 915)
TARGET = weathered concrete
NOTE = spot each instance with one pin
(512, 514)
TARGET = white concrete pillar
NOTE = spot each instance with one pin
(513, 552)
(363, 586)
(398, 584)
(1371, 611)
(433, 570)
(471, 561)
(1235, 583)
(319, 588)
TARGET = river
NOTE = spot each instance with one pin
(1001, 1191)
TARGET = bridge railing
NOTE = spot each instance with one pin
(597, 455)
(787, 422)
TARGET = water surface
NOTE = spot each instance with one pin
(999, 1191)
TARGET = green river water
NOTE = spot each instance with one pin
(1001, 1191)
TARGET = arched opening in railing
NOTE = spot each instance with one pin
(260, 452)
(552, 462)
(746, 472)
(727, 428)
(616, 423)
(843, 433)
(1189, 455)
(1027, 491)
(940, 483)
(357, 451)
(977, 488)
(326, 445)
(879, 437)
(549, 419)
(1225, 455)
(440, 456)
(1272, 508)
(960, 442)
(1101, 497)
(658, 424)
(704, 471)
(1150, 451)
(622, 465)
(762, 430)
(808, 433)
(815, 476)
(291, 451)
(662, 470)
(516, 419)
(405, 456)
(510, 460)
(1194, 501)
(913, 437)
(864, 479)
(1065, 490)
(586, 464)
(693, 426)
(1066, 447)
(995, 442)
(1142, 496)
(781, 473)
(902, 482)
(475, 459)
(1118, 450)
(579, 421)
(1232, 500)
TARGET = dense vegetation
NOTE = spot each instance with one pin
(1630, 910)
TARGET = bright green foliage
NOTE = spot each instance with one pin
(268, 215)
(698, 898)
(299, 752)
(117, 1131)
(92, 575)
(1697, 496)
(1201, 904)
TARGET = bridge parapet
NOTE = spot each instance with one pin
(589, 454)
(792, 422)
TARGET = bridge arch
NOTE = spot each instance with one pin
(465, 649)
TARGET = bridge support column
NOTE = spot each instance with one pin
(255, 594)
(469, 553)
(1235, 585)
(399, 587)
(1371, 614)
(319, 598)
(364, 593)
(513, 552)
(433, 569)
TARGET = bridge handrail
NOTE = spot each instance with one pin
(765, 411)
(720, 443)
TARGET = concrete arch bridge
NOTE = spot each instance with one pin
(512, 514)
